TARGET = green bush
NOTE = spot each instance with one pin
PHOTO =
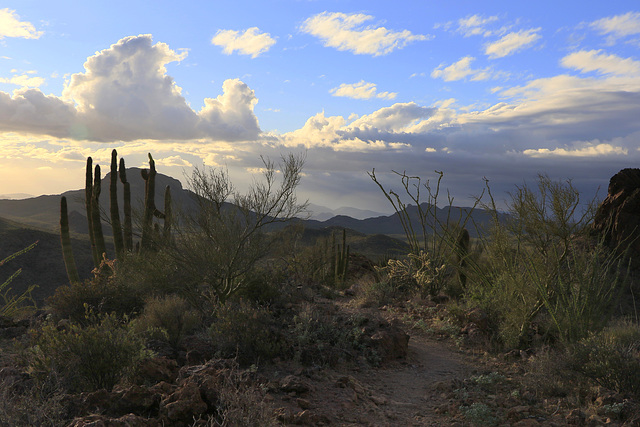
(89, 357)
(611, 357)
(539, 264)
(246, 332)
(171, 317)
(102, 294)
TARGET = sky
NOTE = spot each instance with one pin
(496, 90)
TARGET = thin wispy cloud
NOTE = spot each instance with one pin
(512, 43)
(348, 32)
(618, 26)
(12, 26)
(23, 80)
(602, 63)
(460, 70)
(475, 25)
(361, 90)
(251, 42)
(590, 150)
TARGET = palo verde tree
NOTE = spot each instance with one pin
(227, 233)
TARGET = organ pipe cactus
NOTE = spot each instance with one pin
(122, 235)
(65, 239)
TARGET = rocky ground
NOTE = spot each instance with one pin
(427, 375)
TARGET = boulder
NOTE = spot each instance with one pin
(618, 217)
(391, 343)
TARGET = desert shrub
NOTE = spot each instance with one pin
(102, 294)
(169, 318)
(479, 414)
(228, 233)
(151, 273)
(323, 339)
(88, 357)
(417, 272)
(538, 263)
(244, 331)
(611, 358)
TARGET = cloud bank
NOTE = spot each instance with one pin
(11, 26)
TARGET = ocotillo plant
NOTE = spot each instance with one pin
(340, 258)
(65, 239)
(118, 240)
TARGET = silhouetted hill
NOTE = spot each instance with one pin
(43, 265)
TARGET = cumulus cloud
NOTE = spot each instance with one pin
(125, 94)
(460, 70)
(512, 43)
(596, 60)
(619, 26)
(361, 90)
(475, 25)
(347, 32)
(250, 42)
(11, 26)
(23, 80)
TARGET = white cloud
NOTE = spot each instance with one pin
(361, 90)
(23, 80)
(251, 42)
(173, 161)
(590, 150)
(460, 70)
(595, 60)
(475, 25)
(619, 26)
(347, 32)
(11, 26)
(512, 43)
(125, 94)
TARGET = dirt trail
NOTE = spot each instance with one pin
(401, 393)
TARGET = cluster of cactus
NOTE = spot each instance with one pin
(340, 258)
(122, 234)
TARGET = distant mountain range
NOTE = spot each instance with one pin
(24, 221)
(44, 211)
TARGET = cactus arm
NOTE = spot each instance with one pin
(65, 239)
(95, 216)
(149, 205)
(462, 253)
(128, 224)
(88, 197)
(118, 240)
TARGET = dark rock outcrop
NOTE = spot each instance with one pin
(617, 219)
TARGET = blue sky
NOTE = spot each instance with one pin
(502, 90)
